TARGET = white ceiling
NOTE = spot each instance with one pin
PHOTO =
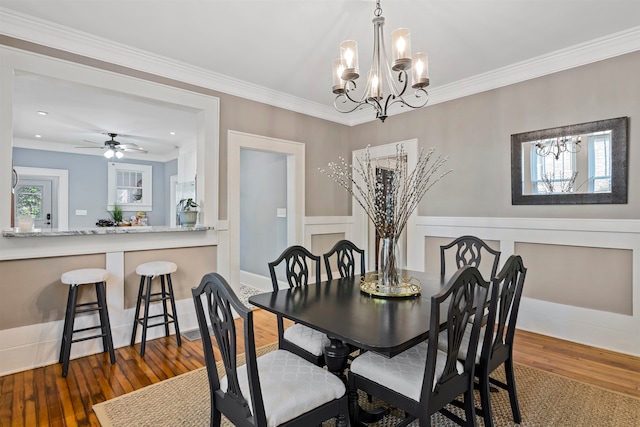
(284, 49)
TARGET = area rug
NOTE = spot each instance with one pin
(546, 400)
(245, 292)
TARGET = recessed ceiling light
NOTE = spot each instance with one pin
(172, 133)
(38, 136)
(42, 113)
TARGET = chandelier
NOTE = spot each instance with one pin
(377, 94)
(557, 146)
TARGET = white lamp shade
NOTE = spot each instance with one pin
(349, 59)
(109, 153)
(401, 49)
(374, 84)
(119, 154)
(338, 83)
(420, 72)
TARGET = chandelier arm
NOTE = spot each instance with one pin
(335, 104)
(404, 102)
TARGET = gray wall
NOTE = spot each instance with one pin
(263, 189)
(475, 133)
(88, 183)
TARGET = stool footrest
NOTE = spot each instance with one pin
(89, 338)
(87, 329)
(88, 310)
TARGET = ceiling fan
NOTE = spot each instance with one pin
(115, 148)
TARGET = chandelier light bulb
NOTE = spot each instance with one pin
(109, 153)
(349, 59)
(401, 49)
(338, 83)
(420, 71)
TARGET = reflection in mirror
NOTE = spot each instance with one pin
(583, 163)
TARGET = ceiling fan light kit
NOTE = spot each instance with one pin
(115, 148)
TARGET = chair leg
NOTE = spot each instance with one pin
(215, 417)
(173, 309)
(145, 319)
(469, 408)
(68, 333)
(105, 325)
(485, 399)
(137, 312)
(511, 387)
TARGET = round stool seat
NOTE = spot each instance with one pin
(156, 268)
(84, 275)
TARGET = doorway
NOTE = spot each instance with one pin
(294, 153)
(33, 198)
(44, 194)
(364, 233)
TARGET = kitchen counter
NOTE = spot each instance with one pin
(14, 232)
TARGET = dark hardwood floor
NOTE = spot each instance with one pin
(41, 397)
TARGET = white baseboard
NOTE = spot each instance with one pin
(33, 346)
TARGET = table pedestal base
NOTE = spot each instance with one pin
(336, 355)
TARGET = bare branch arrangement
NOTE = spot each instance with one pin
(390, 197)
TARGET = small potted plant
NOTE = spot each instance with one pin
(187, 212)
(117, 216)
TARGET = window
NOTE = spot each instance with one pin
(550, 175)
(129, 186)
(600, 162)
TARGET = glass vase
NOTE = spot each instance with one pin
(389, 262)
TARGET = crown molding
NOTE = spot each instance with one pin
(28, 28)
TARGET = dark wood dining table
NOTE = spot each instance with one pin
(353, 319)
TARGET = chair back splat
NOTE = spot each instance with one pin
(319, 395)
(345, 254)
(469, 251)
(299, 339)
(423, 379)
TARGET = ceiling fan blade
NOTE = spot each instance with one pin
(128, 145)
(134, 149)
(92, 142)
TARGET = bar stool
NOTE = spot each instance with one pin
(76, 278)
(147, 272)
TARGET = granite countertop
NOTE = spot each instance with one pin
(14, 232)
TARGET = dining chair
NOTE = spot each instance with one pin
(344, 252)
(469, 251)
(423, 379)
(276, 389)
(299, 339)
(495, 350)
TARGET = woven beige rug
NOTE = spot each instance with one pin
(546, 399)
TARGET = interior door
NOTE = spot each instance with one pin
(34, 197)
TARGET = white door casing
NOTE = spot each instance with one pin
(295, 152)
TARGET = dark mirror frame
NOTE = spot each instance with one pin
(619, 164)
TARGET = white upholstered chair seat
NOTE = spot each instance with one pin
(462, 354)
(84, 275)
(403, 373)
(307, 338)
(156, 268)
(291, 386)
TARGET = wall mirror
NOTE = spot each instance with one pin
(577, 164)
(84, 104)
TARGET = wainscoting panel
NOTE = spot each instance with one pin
(594, 301)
